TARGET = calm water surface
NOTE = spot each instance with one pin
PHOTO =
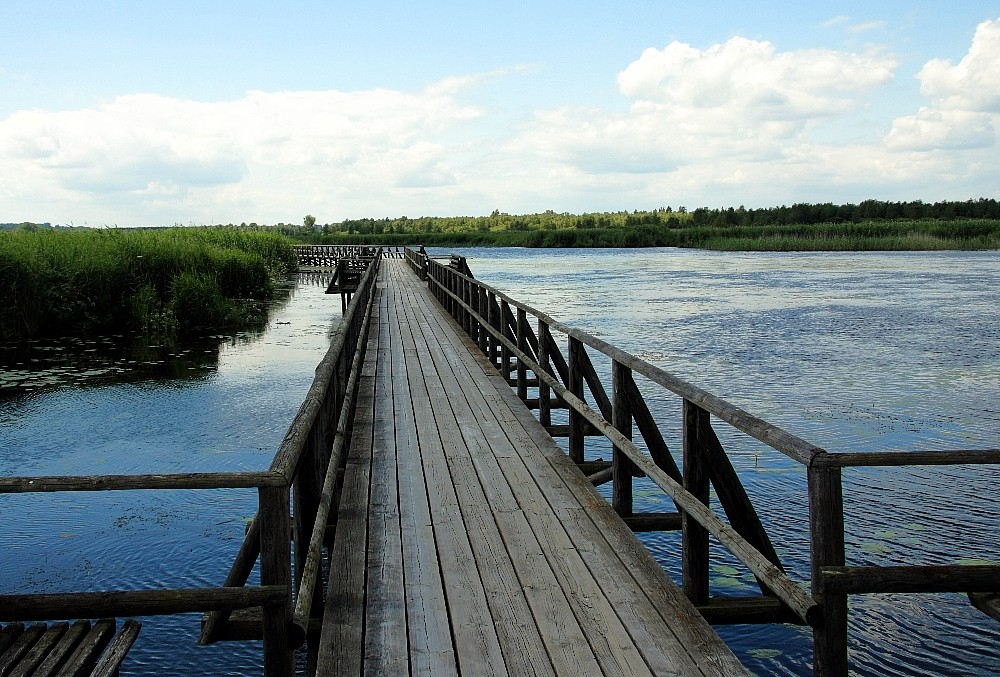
(101, 407)
(849, 351)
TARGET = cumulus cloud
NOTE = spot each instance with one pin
(972, 83)
(740, 99)
(736, 122)
(139, 149)
(964, 107)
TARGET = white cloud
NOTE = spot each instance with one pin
(736, 122)
(964, 107)
(742, 99)
(262, 152)
(932, 129)
(974, 83)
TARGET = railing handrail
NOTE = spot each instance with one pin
(775, 437)
(203, 480)
(289, 452)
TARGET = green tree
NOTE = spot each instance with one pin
(309, 221)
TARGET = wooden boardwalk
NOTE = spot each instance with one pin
(468, 543)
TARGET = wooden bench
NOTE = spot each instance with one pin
(65, 649)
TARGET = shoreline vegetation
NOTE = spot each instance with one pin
(165, 282)
(169, 282)
(871, 225)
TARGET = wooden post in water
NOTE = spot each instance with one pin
(621, 415)
(577, 423)
(275, 569)
(826, 526)
(697, 481)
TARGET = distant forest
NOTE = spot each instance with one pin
(868, 225)
(800, 213)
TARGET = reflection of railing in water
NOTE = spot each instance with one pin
(314, 442)
(500, 327)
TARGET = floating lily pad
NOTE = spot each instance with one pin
(765, 653)
(725, 570)
(876, 548)
(976, 561)
(885, 534)
(727, 582)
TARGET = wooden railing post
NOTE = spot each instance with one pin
(522, 345)
(544, 391)
(505, 331)
(481, 307)
(622, 468)
(466, 297)
(697, 481)
(826, 528)
(577, 423)
(275, 569)
(493, 317)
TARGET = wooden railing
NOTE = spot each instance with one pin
(303, 473)
(328, 255)
(500, 327)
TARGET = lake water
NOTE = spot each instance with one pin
(849, 351)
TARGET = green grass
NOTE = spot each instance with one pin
(877, 235)
(169, 281)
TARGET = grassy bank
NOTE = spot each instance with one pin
(171, 281)
(872, 235)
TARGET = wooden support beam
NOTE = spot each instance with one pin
(746, 610)
(654, 521)
(940, 578)
(987, 602)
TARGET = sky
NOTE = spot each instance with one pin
(130, 113)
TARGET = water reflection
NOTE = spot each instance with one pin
(110, 406)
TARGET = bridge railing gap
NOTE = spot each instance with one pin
(501, 328)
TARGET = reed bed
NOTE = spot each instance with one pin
(171, 281)
(876, 235)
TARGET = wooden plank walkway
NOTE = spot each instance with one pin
(468, 543)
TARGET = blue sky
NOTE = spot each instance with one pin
(153, 113)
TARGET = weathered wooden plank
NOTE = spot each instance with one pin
(700, 649)
(431, 648)
(573, 574)
(341, 641)
(58, 654)
(517, 641)
(565, 643)
(386, 644)
(112, 658)
(84, 657)
(36, 654)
